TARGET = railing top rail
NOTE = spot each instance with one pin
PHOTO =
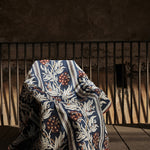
(71, 42)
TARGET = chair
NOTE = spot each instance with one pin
(60, 108)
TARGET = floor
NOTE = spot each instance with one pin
(128, 137)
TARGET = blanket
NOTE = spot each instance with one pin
(61, 109)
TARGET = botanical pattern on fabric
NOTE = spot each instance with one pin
(60, 108)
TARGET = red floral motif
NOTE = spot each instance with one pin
(57, 98)
(96, 139)
(64, 78)
(53, 124)
(82, 74)
(106, 143)
(44, 61)
(97, 91)
(81, 146)
(38, 89)
(74, 115)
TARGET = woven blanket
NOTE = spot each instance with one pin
(61, 109)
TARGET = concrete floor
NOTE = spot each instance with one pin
(129, 137)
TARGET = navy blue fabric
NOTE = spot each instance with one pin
(60, 108)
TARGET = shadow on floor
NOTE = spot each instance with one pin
(143, 126)
(7, 135)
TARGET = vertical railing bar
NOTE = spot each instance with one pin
(106, 73)
(49, 50)
(57, 50)
(98, 63)
(131, 100)
(41, 50)
(147, 82)
(17, 80)
(139, 82)
(114, 53)
(73, 50)
(90, 64)
(1, 69)
(106, 67)
(82, 55)
(33, 52)
(65, 50)
(9, 84)
(123, 78)
(25, 60)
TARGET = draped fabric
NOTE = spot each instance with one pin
(61, 109)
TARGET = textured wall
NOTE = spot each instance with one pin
(36, 20)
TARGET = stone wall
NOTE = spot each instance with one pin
(47, 20)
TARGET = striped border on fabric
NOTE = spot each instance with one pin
(91, 95)
(64, 119)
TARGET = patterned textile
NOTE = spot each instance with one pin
(61, 109)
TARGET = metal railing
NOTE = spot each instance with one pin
(130, 104)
